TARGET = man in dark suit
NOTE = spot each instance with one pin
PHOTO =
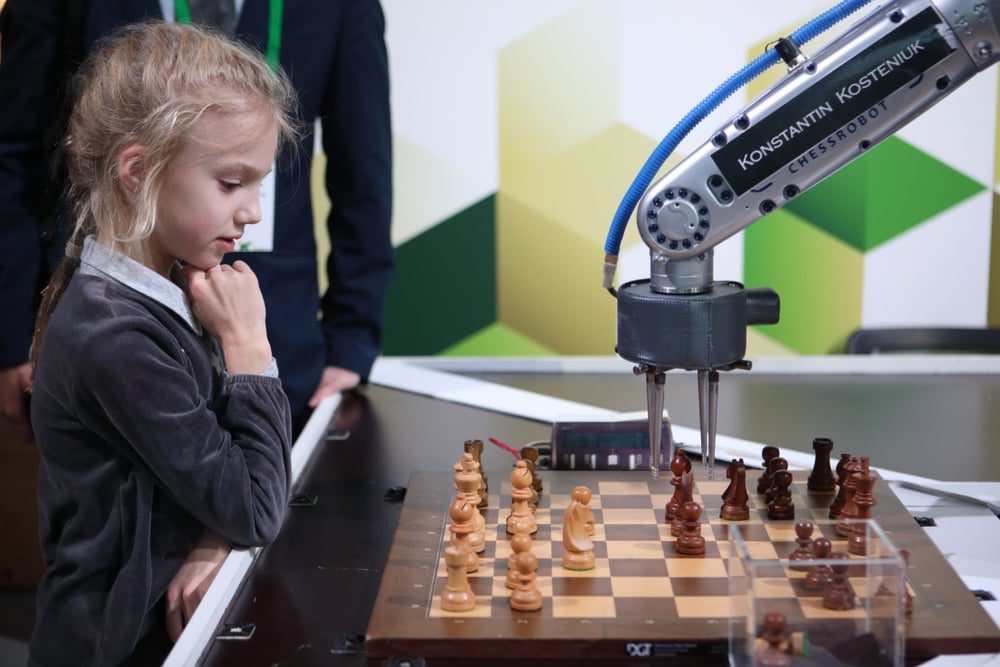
(334, 52)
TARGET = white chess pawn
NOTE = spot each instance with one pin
(519, 543)
(526, 597)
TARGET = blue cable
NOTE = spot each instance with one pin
(744, 76)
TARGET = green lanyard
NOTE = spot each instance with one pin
(182, 14)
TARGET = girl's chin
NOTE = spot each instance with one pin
(205, 264)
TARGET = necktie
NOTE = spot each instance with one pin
(220, 14)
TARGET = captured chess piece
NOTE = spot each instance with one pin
(736, 499)
(519, 543)
(801, 558)
(764, 481)
(781, 506)
(821, 478)
(838, 503)
(691, 542)
(838, 594)
(457, 594)
(526, 596)
(773, 639)
(522, 518)
(578, 551)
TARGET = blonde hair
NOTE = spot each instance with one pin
(148, 85)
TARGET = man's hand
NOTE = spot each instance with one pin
(333, 380)
(14, 385)
(189, 586)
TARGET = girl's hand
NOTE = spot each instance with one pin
(189, 586)
(227, 301)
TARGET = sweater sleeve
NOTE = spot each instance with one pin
(221, 453)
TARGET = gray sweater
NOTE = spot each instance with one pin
(145, 440)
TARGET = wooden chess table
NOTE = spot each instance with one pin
(643, 601)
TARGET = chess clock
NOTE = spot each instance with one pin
(602, 444)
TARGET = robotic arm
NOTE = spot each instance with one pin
(879, 75)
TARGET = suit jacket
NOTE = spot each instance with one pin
(334, 52)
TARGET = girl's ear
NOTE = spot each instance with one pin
(130, 167)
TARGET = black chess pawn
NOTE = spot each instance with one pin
(764, 481)
(781, 507)
(691, 542)
(687, 493)
(679, 464)
(776, 464)
(819, 574)
(801, 558)
(838, 594)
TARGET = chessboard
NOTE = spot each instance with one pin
(643, 602)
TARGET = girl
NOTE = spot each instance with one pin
(162, 425)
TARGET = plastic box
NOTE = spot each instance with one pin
(765, 591)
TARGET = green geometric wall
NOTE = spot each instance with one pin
(444, 288)
(888, 191)
(812, 250)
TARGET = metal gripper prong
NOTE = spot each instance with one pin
(655, 380)
(708, 411)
